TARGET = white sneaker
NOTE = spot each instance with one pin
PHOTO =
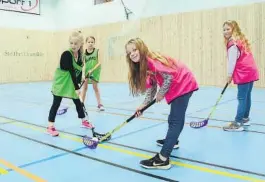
(246, 122)
(233, 126)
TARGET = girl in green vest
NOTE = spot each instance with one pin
(66, 79)
(92, 67)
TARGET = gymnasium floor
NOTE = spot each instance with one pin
(206, 155)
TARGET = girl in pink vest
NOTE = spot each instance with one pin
(242, 69)
(147, 70)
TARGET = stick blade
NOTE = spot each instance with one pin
(199, 124)
(62, 111)
(91, 143)
(99, 136)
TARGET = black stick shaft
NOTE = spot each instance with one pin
(142, 110)
(124, 123)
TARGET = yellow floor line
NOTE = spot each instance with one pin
(22, 171)
(141, 155)
(190, 166)
(3, 171)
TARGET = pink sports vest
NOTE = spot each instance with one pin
(183, 80)
(246, 69)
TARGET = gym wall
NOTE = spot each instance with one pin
(27, 45)
(26, 55)
(193, 37)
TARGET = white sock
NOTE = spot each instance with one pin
(162, 158)
(51, 124)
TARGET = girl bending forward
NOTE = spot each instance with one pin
(147, 70)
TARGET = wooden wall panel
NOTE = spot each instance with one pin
(16, 65)
(193, 37)
(112, 49)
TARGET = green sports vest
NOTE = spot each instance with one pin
(91, 61)
(62, 83)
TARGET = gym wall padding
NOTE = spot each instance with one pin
(193, 37)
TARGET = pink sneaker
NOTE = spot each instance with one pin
(52, 131)
(87, 124)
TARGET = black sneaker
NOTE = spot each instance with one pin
(155, 163)
(161, 143)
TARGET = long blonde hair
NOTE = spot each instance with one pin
(237, 34)
(138, 71)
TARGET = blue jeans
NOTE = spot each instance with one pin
(176, 120)
(244, 101)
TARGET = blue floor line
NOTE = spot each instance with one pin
(46, 159)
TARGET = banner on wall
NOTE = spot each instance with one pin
(16, 53)
(22, 6)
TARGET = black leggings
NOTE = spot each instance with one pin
(56, 104)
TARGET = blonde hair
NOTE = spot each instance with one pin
(78, 35)
(237, 34)
(138, 71)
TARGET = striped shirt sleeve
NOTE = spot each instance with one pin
(151, 92)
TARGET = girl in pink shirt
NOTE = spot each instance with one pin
(147, 70)
(242, 69)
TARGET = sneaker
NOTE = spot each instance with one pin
(52, 131)
(234, 126)
(161, 143)
(246, 122)
(101, 107)
(86, 124)
(155, 163)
